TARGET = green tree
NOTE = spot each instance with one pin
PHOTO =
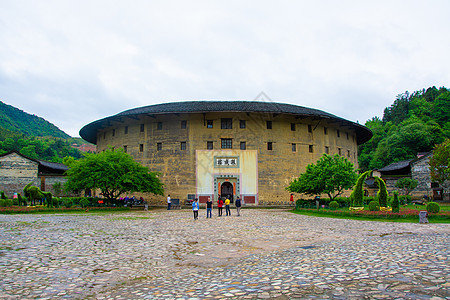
(414, 123)
(113, 172)
(331, 175)
(442, 108)
(440, 162)
(407, 184)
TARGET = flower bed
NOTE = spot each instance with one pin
(43, 209)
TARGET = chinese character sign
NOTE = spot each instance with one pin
(226, 162)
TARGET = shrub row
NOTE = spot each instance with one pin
(346, 202)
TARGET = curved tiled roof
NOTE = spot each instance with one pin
(89, 131)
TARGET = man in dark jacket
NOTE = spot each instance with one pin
(238, 206)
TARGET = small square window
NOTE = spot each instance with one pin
(209, 145)
(125, 149)
(347, 135)
(310, 128)
(348, 153)
(227, 123)
(104, 135)
(339, 151)
(338, 133)
(209, 123)
(269, 146)
(159, 146)
(311, 149)
(327, 150)
(242, 124)
(294, 147)
(183, 124)
(292, 126)
(269, 124)
(227, 143)
(243, 146)
(325, 130)
(126, 129)
(113, 132)
(142, 127)
(183, 146)
(159, 125)
(141, 147)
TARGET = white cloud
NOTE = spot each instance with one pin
(75, 62)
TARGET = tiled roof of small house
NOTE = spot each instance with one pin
(53, 165)
(46, 164)
(89, 131)
(395, 166)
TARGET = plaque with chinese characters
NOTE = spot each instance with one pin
(226, 162)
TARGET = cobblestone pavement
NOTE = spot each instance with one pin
(262, 254)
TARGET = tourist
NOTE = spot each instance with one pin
(209, 206)
(238, 206)
(195, 208)
(169, 203)
(145, 206)
(227, 207)
(220, 206)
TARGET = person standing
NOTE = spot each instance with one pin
(209, 206)
(238, 206)
(169, 202)
(227, 207)
(220, 206)
(195, 208)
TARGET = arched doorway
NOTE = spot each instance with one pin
(226, 190)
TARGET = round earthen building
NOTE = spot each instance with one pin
(250, 149)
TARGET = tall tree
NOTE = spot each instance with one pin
(440, 162)
(113, 172)
(331, 175)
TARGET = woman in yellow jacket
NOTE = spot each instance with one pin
(227, 207)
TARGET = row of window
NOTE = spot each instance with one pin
(226, 123)
(228, 144)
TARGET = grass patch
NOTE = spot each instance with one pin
(408, 214)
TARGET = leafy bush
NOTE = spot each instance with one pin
(6, 202)
(374, 206)
(67, 202)
(84, 202)
(2, 195)
(382, 193)
(367, 200)
(357, 193)
(334, 205)
(404, 199)
(395, 203)
(433, 207)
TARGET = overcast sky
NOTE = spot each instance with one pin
(73, 62)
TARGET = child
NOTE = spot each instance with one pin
(195, 208)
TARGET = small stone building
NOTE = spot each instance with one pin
(18, 170)
(418, 169)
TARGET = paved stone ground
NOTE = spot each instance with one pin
(262, 254)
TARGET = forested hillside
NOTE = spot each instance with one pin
(414, 123)
(16, 120)
(33, 136)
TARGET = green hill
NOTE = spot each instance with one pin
(414, 123)
(14, 120)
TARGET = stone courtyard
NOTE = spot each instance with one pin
(265, 253)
